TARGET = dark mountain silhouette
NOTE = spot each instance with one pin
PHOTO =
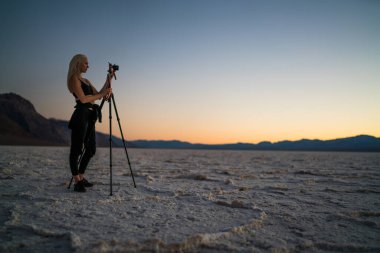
(21, 124)
(358, 143)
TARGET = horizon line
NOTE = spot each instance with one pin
(236, 142)
(210, 144)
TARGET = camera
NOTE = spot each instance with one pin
(113, 66)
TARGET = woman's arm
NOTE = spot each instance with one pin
(108, 81)
(106, 86)
(77, 90)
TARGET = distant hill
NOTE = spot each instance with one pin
(363, 143)
(21, 124)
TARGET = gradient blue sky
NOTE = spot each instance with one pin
(204, 71)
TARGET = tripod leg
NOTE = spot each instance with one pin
(110, 139)
(122, 136)
(71, 181)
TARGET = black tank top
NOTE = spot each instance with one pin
(87, 90)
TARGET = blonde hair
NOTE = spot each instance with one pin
(74, 68)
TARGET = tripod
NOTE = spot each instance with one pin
(111, 99)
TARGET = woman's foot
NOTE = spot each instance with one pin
(79, 187)
(86, 183)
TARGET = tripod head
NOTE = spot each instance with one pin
(113, 68)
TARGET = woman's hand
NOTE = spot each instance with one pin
(111, 72)
(107, 93)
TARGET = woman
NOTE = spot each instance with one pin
(82, 122)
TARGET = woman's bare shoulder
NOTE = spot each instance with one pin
(86, 81)
(74, 79)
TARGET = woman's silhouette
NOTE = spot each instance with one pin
(83, 119)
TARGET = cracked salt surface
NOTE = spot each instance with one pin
(191, 201)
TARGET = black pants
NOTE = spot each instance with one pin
(82, 124)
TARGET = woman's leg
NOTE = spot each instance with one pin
(90, 149)
(77, 138)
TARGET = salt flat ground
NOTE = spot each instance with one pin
(191, 201)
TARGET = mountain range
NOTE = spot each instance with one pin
(21, 124)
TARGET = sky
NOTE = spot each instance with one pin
(204, 71)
